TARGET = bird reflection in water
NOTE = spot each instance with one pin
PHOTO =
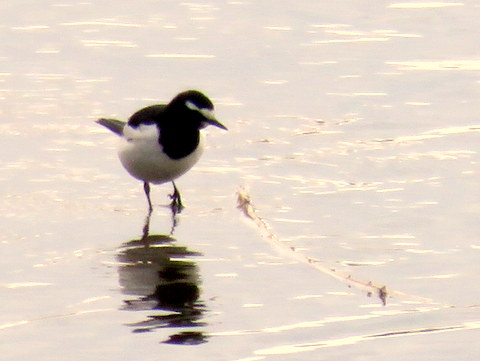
(164, 279)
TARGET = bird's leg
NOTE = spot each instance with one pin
(146, 226)
(176, 204)
(146, 188)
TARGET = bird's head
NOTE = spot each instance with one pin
(198, 107)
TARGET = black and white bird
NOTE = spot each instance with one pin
(162, 142)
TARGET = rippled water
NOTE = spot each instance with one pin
(353, 131)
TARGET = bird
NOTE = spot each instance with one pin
(161, 142)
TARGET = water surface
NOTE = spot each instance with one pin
(353, 128)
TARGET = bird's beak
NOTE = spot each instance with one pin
(210, 119)
(216, 123)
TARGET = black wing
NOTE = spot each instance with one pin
(147, 115)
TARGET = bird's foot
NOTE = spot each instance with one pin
(176, 205)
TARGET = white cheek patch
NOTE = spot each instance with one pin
(207, 113)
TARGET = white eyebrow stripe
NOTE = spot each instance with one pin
(191, 106)
(207, 113)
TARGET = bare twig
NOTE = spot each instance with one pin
(245, 205)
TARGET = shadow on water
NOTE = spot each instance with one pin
(159, 275)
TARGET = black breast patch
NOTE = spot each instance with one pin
(178, 143)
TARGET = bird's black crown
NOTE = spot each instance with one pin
(193, 96)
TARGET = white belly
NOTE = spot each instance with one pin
(141, 155)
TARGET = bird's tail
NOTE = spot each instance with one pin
(114, 125)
